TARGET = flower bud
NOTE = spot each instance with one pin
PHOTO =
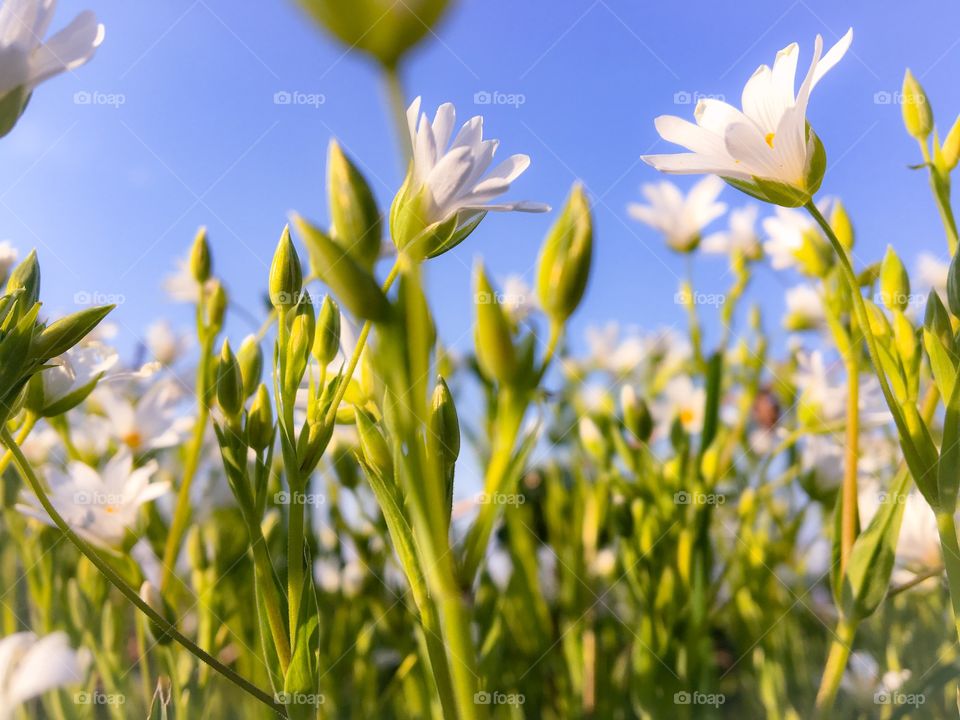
(841, 225)
(950, 152)
(326, 341)
(286, 274)
(636, 415)
(302, 329)
(312, 443)
(353, 284)
(444, 425)
(215, 307)
(492, 334)
(250, 359)
(151, 596)
(953, 286)
(937, 321)
(26, 276)
(354, 214)
(894, 282)
(260, 428)
(564, 264)
(229, 382)
(917, 113)
(376, 452)
(592, 439)
(200, 262)
(61, 335)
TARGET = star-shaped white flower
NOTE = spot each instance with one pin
(681, 218)
(102, 507)
(25, 59)
(767, 149)
(450, 181)
(740, 237)
(152, 423)
(30, 666)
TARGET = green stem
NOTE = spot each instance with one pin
(947, 527)
(836, 664)
(398, 109)
(26, 472)
(181, 514)
(941, 194)
(850, 506)
(29, 423)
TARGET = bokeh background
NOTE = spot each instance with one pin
(175, 125)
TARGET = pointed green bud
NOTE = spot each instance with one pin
(937, 321)
(355, 218)
(444, 426)
(894, 282)
(26, 276)
(326, 341)
(953, 286)
(841, 225)
(592, 440)
(61, 335)
(492, 334)
(302, 328)
(229, 382)
(151, 596)
(907, 342)
(250, 358)
(376, 452)
(636, 414)
(564, 264)
(286, 274)
(260, 429)
(200, 262)
(215, 307)
(950, 152)
(917, 113)
(353, 284)
(312, 443)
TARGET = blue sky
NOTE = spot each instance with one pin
(185, 133)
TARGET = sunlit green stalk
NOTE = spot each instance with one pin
(836, 664)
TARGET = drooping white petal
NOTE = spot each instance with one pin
(67, 50)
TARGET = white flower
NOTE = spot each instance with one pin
(788, 232)
(75, 371)
(918, 546)
(680, 218)
(25, 59)
(452, 176)
(517, 298)
(805, 310)
(822, 400)
(101, 507)
(8, 256)
(740, 237)
(682, 401)
(823, 456)
(164, 344)
(767, 149)
(181, 286)
(30, 666)
(151, 423)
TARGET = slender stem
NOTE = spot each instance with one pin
(398, 109)
(181, 513)
(29, 423)
(850, 506)
(26, 472)
(836, 664)
(271, 599)
(941, 194)
(947, 527)
(295, 540)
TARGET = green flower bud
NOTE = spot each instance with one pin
(373, 444)
(814, 256)
(636, 415)
(260, 429)
(312, 443)
(151, 596)
(215, 307)
(26, 276)
(953, 286)
(492, 334)
(326, 341)
(200, 262)
(353, 209)
(907, 343)
(302, 329)
(937, 321)
(564, 264)
(950, 152)
(250, 358)
(917, 113)
(894, 282)
(380, 28)
(879, 325)
(444, 426)
(286, 274)
(229, 382)
(592, 440)
(61, 335)
(841, 225)
(353, 284)
(12, 106)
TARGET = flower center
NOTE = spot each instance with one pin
(769, 139)
(133, 439)
(686, 416)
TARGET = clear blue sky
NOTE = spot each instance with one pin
(111, 195)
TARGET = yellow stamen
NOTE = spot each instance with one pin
(686, 416)
(769, 138)
(133, 439)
